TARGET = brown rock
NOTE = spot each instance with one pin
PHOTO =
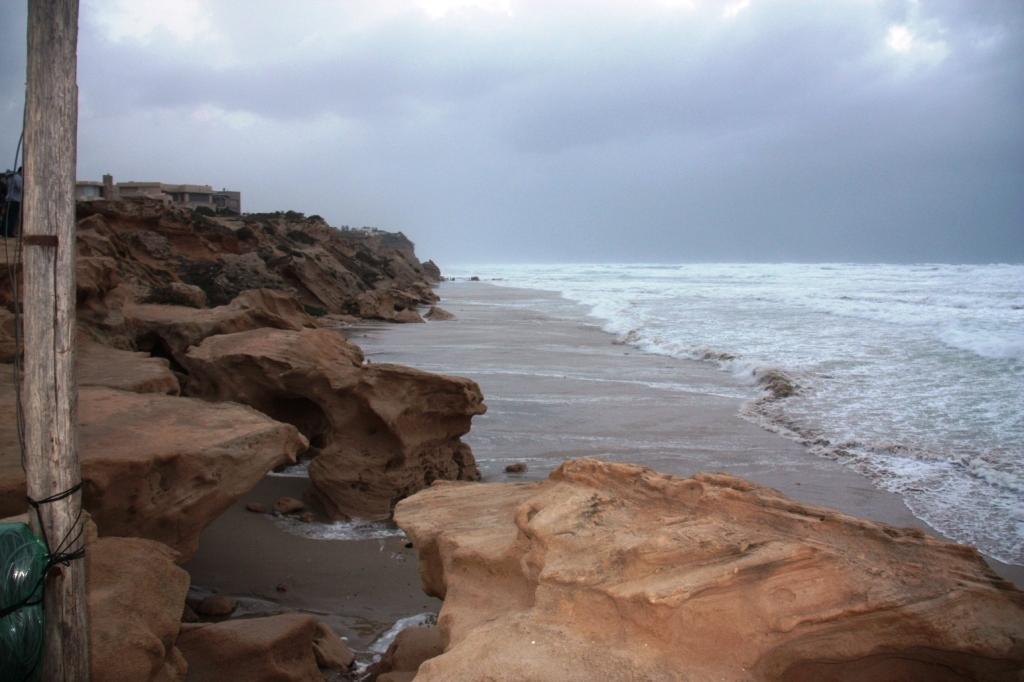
(256, 508)
(216, 606)
(380, 431)
(516, 468)
(288, 505)
(776, 384)
(157, 466)
(170, 330)
(272, 649)
(432, 272)
(99, 365)
(155, 247)
(437, 313)
(407, 315)
(177, 293)
(95, 276)
(136, 598)
(612, 571)
(330, 651)
(308, 517)
(410, 649)
(392, 305)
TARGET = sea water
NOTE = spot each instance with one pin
(910, 374)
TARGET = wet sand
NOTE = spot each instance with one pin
(358, 587)
(558, 387)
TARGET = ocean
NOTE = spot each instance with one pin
(910, 374)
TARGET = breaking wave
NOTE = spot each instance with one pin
(912, 375)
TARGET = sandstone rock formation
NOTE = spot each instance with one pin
(378, 432)
(157, 466)
(612, 571)
(431, 271)
(168, 331)
(136, 594)
(99, 365)
(169, 255)
(271, 649)
(437, 313)
(403, 658)
(330, 651)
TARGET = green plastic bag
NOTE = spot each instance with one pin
(23, 564)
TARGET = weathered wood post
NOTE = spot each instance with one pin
(49, 394)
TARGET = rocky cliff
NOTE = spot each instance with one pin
(209, 353)
(147, 252)
(614, 572)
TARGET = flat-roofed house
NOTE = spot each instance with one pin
(88, 190)
(189, 196)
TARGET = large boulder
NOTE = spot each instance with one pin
(613, 571)
(136, 595)
(437, 314)
(378, 432)
(169, 330)
(99, 365)
(157, 466)
(271, 649)
(391, 305)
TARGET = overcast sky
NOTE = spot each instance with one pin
(543, 130)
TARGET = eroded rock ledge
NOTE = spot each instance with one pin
(613, 571)
(157, 466)
(379, 432)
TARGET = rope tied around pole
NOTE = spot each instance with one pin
(60, 556)
(25, 561)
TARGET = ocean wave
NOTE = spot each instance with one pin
(991, 345)
(974, 499)
(911, 375)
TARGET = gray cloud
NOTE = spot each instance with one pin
(581, 131)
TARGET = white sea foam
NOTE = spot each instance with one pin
(381, 644)
(356, 529)
(916, 370)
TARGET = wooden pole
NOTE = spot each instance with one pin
(49, 394)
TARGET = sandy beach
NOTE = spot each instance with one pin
(359, 587)
(557, 387)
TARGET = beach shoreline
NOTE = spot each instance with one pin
(559, 387)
